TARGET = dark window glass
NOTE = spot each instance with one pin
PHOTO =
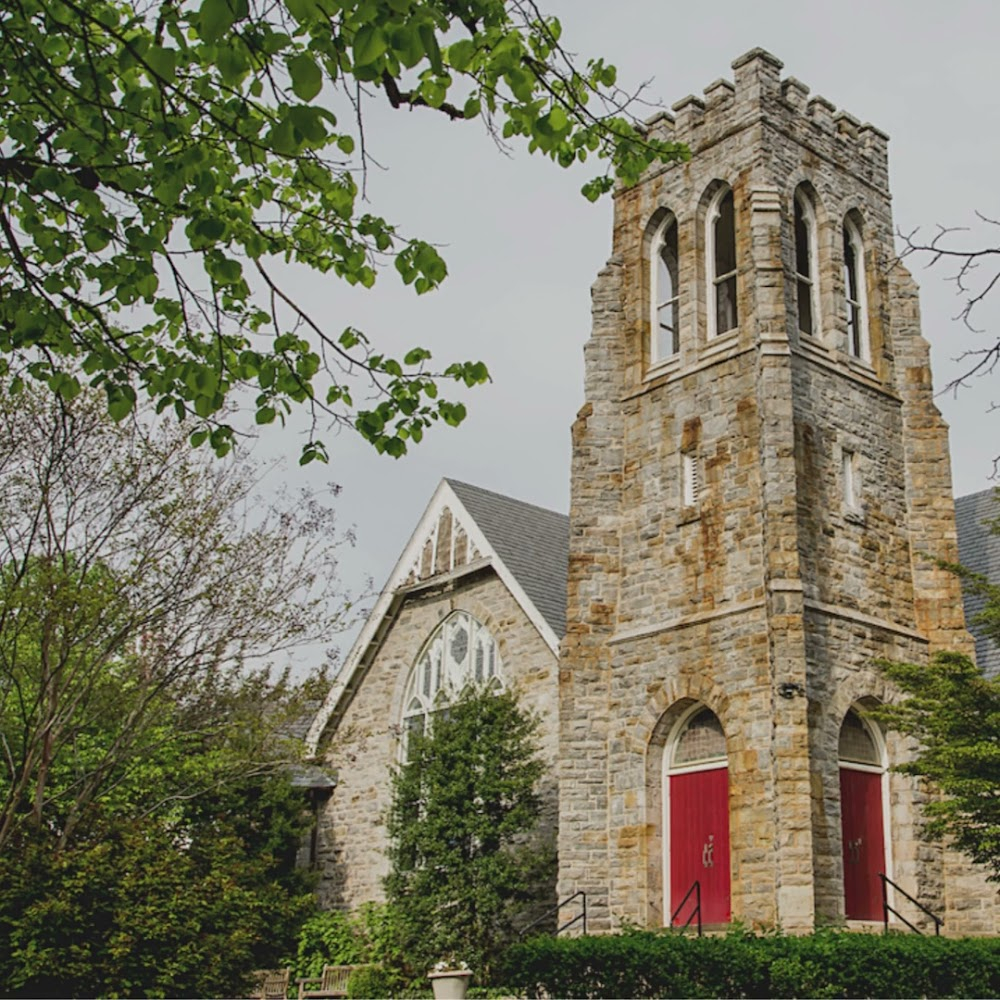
(803, 269)
(725, 266)
(852, 288)
(667, 299)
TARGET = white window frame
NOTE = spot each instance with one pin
(655, 305)
(852, 235)
(448, 679)
(712, 279)
(804, 202)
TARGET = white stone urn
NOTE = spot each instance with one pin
(450, 984)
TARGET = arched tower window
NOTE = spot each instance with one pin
(696, 818)
(862, 816)
(721, 263)
(460, 655)
(665, 296)
(855, 291)
(806, 273)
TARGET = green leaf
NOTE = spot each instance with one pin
(369, 44)
(215, 18)
(307, 78)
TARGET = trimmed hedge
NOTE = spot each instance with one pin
(827, 964)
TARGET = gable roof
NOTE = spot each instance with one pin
(465, 529)
(979, 550)
(532, 542)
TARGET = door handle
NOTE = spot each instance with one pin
(707, 850)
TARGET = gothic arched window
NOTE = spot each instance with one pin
(665, 298)
(459, 655)
(721, 261)
(854, 291)
(806, 274)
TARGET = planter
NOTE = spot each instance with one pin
(451, 984)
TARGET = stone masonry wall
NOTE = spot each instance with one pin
(364, 748)
(771, 596)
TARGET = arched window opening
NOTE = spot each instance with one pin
(460, 655)
(665, 298)
(696, 818)
(862, 817)
(854, 292)
(805, 264)
(722, 263)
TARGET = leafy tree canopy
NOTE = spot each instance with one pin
(464, 867)
(159, 160)
(954, 714)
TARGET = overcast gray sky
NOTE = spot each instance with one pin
(523, 246)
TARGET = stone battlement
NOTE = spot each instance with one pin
(758, 90)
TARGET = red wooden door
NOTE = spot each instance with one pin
(699, 843)
(864, 844)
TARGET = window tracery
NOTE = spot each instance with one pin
(721, 260)
(461, 654)
(806, 273)
(665, 293)
(854, 291)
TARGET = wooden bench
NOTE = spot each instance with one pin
(333, 982)
(272, 984)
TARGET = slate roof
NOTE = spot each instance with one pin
(532, 542)
(979, 550)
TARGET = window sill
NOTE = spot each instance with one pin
(687, 515)
(720, 342)
(855, 515)
(664, 367)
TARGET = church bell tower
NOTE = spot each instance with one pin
(759, 475)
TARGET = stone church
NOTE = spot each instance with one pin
(760, 478)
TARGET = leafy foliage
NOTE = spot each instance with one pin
(148, 832)
(159, 161)
(147, 907)
(828, 964)
(463, 805)
(954, 714)
(138, 580)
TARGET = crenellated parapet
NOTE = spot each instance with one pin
(757, 92)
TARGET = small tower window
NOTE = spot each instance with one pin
(722, 259)
(690, 479)
(854, 292)
(805, 264)
(665, 297)
(849, 475)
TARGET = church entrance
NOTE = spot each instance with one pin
(862, 819)
(696, 797)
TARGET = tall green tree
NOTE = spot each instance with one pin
(953, 713)
(465, 802)
(148, 830)
(170, 154)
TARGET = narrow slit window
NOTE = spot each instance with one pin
(724, 265)
(804, 265)
(666, 300)
(850, 479)
(691, 485)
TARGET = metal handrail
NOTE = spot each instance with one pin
(887, 909)
(696, 889)
(581, 916)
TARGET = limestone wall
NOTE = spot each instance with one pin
(771, 596)
(364, 748)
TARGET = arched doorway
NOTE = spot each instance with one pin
(862, 816)
(696, 818)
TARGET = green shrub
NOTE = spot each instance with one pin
(827, 964)
(371, 981)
